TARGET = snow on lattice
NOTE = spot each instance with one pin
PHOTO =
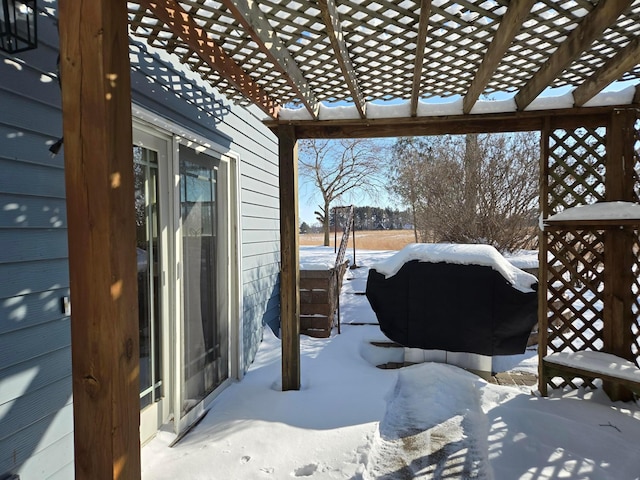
(599, 211)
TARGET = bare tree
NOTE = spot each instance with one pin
(338, 168)
(471, 189)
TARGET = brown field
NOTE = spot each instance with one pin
(366, 239)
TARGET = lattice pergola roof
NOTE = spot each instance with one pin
(278, 53)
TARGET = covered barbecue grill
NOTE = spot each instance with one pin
(457, 298)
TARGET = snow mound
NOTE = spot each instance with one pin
(461, 254)
(446, 439)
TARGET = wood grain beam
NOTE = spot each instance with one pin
(183, 26)
(98, 157)
(604, 14)
(460, 124)
(421, 42)
(622, 62)
(509, 27)
(256, 24)
(289, 256)
(331, 19)
(636, 96)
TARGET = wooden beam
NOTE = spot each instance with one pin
(256, 24)
(290, 260)
(461, 124)
(331, 19)
(183, 26)
(622, 62)
(636, 96)
(510, 25)
(604, 14)
(96, 106)
(421, 42)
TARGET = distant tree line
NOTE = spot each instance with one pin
(376, 218)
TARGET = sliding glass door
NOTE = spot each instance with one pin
(183, 251)
(205, 324)
(149, 159)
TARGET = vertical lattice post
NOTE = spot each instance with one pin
(543, 274)
(573, 173)
(619, 279)
(591, 298)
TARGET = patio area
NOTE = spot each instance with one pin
(428, 421)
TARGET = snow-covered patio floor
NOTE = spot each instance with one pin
(351, 420)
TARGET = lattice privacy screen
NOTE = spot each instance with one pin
(575, 173)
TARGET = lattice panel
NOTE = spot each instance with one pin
(380, 38)
(576, 168)
(635, 307)
(636, 160)
(575, 292)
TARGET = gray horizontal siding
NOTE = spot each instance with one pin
(30, 147)
(36, 430)
(257, 186)
(33, 277)
(22, 345)
(256, 210)
(68, 471)
(257, 205)
(56, 463)
(260, 223)
(28, 443)
(31, 211)
(265, 238)
(264, 260)
(35, 373)
(265, 172)
(27, 245)
(262, 300)
(25, 114)
(29, 409)
(25, 178)
(26, 311)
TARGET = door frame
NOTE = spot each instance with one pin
(149, 123)
(158, 413)
(230, 299)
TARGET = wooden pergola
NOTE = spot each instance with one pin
(299, 54)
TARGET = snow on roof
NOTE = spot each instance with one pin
(337, 113)
(551, 102)
(440, 109)
(548, 101)
(618, 97)
(395, 110)
(461, 254)
(599, 211)
(494, 106)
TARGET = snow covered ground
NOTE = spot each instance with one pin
(351, 420)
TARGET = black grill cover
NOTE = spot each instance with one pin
(452, 307)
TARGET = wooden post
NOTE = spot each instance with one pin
(353, 230)
(543, 266)
(335, 229)
(96, 105)
(618, 254)
(290, 264)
